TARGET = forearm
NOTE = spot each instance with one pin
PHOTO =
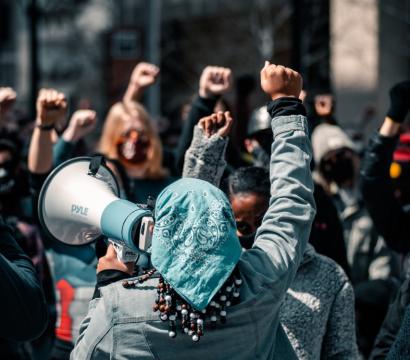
(63, 150)
(389, 128)
(201, 107)
(133, 93)
(205, 158)
(286, 226)
(40, 156)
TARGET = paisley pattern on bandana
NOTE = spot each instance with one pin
(194, 244)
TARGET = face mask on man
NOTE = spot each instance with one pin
(260, 157)
(247, 240)
(133, 147)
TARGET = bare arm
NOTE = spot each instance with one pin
(143, 76)
(51, 106)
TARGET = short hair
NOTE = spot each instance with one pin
(249, 179)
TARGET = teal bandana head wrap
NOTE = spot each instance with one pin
(194, 245)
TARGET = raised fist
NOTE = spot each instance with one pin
(279, 81)
(215, 81)
(144, 75)
(82, 122)
(219, 123)
(324, 105)
(51, 106)
(7, 98)
(399, 101)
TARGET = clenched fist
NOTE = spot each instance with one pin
(7, 98)
(219, 123)
(144, 75)
(51, 106)
(215, 81)
(82, 122)
(278, 81)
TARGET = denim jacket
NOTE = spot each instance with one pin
(121, 324)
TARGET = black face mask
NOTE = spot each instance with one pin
(260, 157)
(338, 167)
(7, 178)
(247, 240)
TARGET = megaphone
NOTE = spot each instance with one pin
(79, 202)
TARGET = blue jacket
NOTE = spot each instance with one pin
(121, 324)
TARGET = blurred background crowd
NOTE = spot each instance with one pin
(111, 99)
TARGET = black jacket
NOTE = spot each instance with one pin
(393, 223)
(200, 107)
(23, 309)
(392, 323)
(389, 218)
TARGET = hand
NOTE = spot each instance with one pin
(111, 262)
(7, 99)
(399, 101)
(215, 81)
(279, 81)
(324, 105)
(219, 123)
(51, 106)
(82, 122)
(144, 75)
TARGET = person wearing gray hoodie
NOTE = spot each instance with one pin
(320, 296)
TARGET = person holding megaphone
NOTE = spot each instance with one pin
(203, 296)
(72, 268)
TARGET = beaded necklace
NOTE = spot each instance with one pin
(174, 309)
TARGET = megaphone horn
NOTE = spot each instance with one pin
(79, 202)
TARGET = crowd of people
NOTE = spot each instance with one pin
(282, 241)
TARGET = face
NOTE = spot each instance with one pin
(133, 145)
(248, 209)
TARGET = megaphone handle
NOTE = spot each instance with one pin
(124, 254)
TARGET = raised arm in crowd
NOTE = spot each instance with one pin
(388, 214)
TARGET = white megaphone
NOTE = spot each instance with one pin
(79, 202)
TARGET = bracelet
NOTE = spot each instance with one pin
(45, 127)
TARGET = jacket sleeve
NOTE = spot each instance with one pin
(94, 330)
(205, 158)
(283, 235)
(200, 107)
(340, 339)
(388, 216)
(62, 151)
(392, 322)
(23, 307)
